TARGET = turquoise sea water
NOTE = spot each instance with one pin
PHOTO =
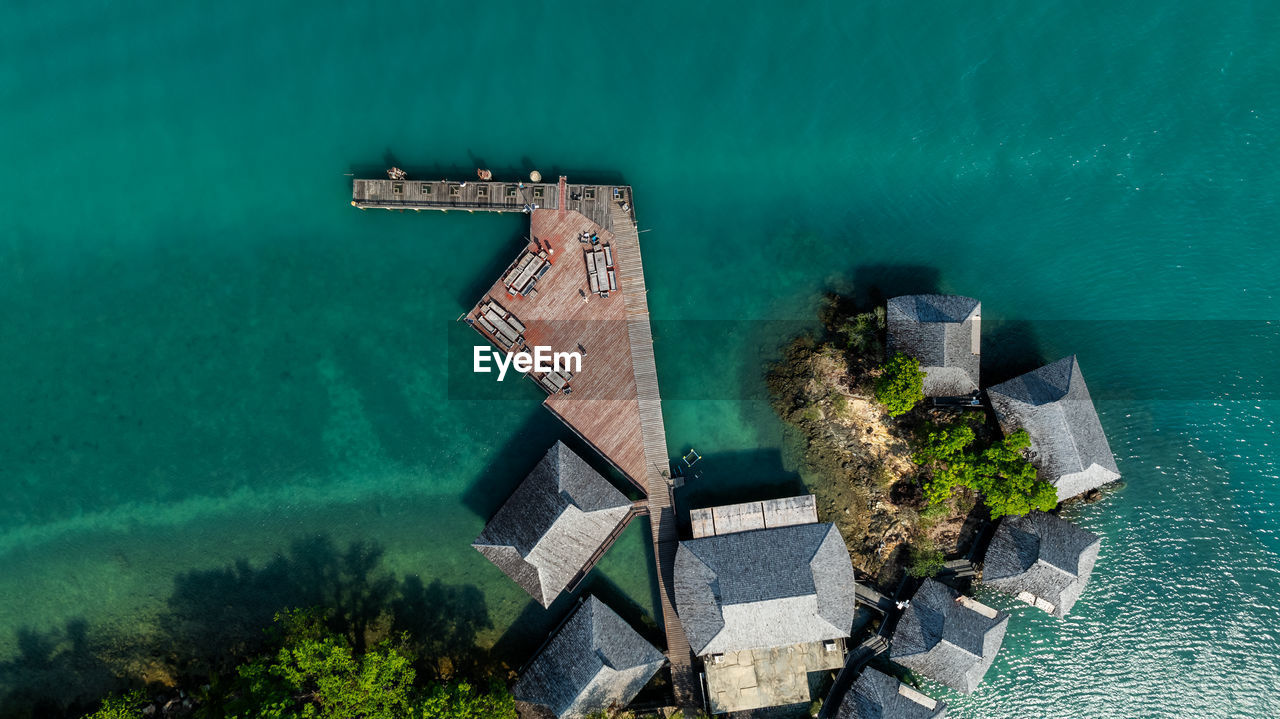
(210, 358)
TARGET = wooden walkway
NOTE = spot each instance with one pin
(592, 201)
(662, 516)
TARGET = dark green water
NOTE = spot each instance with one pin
(208, 356)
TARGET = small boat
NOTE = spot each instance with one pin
(484, 174)
(396, 173)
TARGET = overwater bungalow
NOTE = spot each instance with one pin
(948, 637)
(877, 695)
(764, 607)
(555, 522)
(1042, 560)
(594, 662)
(944, 333)
(1068, 445)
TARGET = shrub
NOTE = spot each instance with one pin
(900, 386)
(926, 560)
(808, 414)
(840, 405)
(127, 706)
(862, 332)
(931, 515)
(462, 701)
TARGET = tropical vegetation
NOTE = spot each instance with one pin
(316, 673)
(999, 472)
(900, 386)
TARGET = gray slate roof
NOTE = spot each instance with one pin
(1068, 445)
(556, 519)
(876, 696)
(1045, 556)
(764, 588)
(943, 332)
(945, 640)
(596, 660)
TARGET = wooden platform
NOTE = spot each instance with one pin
(613, 404)
(564, 315)
(595, 202)
(748, 516)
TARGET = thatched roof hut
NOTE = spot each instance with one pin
(1042, 560)
(877, 695)
(948, 637)
(550, 527)
(764, 588)
(944, 333)
(595, 661)
(1067, 442)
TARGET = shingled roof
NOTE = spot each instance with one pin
(1068, 445)
(548, 529)
(1041, 559)
(595, 661)
(879, 696)
(943, 332)
(947, 637)
(764, 588)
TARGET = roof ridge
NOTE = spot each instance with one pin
(943, 639)
(1066, 426)
(1051, 565)
(825, 536)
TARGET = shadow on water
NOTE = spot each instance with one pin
(521, 453)
(536, 624)
(1009, 348)
(54, 671)
(215, 619)
(732, 477)
(873, 284)
(484, 274)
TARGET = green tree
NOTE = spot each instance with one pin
(462, 701)
(128, 706)
(947, 450)
(900, 386)
(1001, 472)
(1010, 485)
(862, 332)
(317, 675)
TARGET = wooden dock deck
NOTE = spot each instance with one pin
(613, 403)
(595, 202)
(662, 516)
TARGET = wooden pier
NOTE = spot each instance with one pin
(595, 202)
(546, 298)
(662, 516)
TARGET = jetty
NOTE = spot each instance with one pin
(595, 202)
(577, 285)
